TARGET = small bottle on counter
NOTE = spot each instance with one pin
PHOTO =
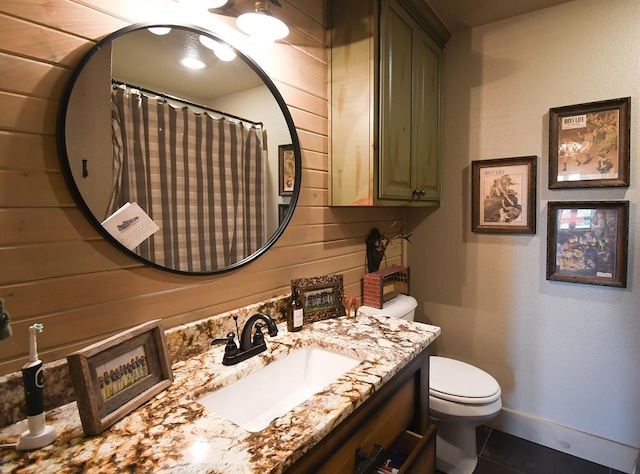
(295, 315)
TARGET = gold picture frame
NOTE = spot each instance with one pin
(589, 145)
(115, 376)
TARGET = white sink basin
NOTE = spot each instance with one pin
(257, 399)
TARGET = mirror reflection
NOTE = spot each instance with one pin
(180, 149)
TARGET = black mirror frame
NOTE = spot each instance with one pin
(75, 192)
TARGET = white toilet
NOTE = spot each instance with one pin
(461, 397)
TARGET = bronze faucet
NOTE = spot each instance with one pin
(249, 346)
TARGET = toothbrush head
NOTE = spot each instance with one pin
(39, 327)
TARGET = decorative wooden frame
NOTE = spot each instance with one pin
(503, 195)
(587, 242)
(286, 170)
(321, 297)
(140, 354)
(589, 145)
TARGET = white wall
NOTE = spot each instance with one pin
(566, 355)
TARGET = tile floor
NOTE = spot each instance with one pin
(501, 453)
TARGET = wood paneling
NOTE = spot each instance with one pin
(58, 270)
(22, 151)
(25, 226)
(26, 76)
(310, 103)
(39, 42)
(28, 114)
(33, 189)
(64, 16)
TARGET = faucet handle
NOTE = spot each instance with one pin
(220, 340)
(258, 337)
(231, 348)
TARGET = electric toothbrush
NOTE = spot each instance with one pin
(39, 433)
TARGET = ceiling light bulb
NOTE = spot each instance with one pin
(261, 24)
(204, 4)
(192, 63)
(222, 51)
(160, 30)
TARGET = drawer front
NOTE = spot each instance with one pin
(421, 450)
(382, 428)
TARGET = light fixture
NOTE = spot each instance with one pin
(192, 63)
(222, 51)
(160, 30)
(261, 24)
(203, 4)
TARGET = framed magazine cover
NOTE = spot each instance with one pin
(589, 145)
(503, 195)
(587, 242)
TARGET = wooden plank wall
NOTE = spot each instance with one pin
(57, 270)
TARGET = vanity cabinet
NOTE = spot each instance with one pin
(385, 103)
(395, 417)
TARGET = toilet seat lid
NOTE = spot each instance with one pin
(457, 381)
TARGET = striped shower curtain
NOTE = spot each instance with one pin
(199, 178)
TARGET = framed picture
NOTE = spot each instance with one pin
(114, 377)
(589, 145)
(503, 195)
(282, 211)
(321, 297)
(587, 242)
(286, 170)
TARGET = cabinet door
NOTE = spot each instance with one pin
(396, 64)
(353, 94)
(426, 118)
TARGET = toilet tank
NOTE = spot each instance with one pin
(402, 306)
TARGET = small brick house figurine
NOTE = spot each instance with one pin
(383, 285)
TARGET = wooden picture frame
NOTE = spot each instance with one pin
(117, 375)
(587, 242)
(589, 144)
(286, 170)
(503, 195)
(321, 297)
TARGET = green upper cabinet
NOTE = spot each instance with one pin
(385, 103)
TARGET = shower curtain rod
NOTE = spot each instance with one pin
(178, 99)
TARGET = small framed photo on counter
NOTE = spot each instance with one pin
(589, 144)
(114, 377)
(587, 242)
(321, 297)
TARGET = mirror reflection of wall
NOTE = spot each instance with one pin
(90, 116)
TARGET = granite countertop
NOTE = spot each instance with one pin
(172, 433)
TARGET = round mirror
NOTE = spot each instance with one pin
(179, 149)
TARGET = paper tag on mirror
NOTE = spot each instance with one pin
(130, 225)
